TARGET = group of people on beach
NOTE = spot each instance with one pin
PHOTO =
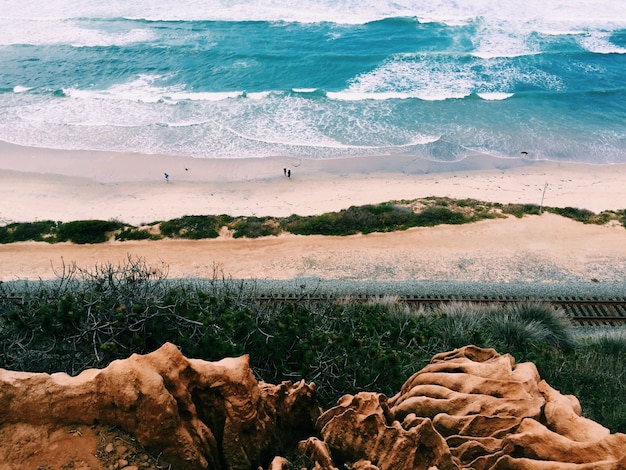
(286, 171)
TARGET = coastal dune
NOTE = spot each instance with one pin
(43, 184)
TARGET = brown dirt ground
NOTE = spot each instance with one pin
(73, 447)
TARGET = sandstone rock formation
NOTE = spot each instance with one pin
(470, 408)
(198, 414)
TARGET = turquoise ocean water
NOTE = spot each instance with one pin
(317, 78)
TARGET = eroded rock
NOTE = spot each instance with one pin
(199, 414)
(474, 408)
(470, 408)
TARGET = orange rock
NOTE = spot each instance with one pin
(474, 409)
(359, 430)
(563, 416)
(198, 414)
(470, 408)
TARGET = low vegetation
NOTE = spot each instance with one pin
(87, 318)
(86, 231)
(194, 227)
(385, 217)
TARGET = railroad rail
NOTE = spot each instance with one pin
(590, 311)
(582, 310)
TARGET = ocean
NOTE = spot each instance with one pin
(439, 80)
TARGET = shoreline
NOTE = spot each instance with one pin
(40, 184)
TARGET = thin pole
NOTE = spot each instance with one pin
(542, 196)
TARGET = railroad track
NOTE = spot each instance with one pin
(585, 311)
(589, 311)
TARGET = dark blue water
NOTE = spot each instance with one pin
(318, 80)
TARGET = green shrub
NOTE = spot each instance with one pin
(603, 217)
(557, 328)
(193, 227)
(384, 217)
(356, 219)
(580, 215)
(87, 231)
(519, 210)
(255, 227)
(132, 233)
(432, 216)
(595, 372)
(459, 324)
(26, 231)
(324, 224)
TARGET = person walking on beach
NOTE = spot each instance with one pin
(288, 173)
(285, 171)
(167, 177)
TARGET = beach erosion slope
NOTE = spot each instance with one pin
(43, 184)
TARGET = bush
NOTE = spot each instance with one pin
(432, 216)
(255, 227)
(87, 231)
(556, 328)
(194, 227)
(519, 210)
(595, 372)
(604, 217)
(325, 224)
(20, 232)
(134, 234)
(580, 215)
(356, 219)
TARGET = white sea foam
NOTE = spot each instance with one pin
(541, 14)
(497, 42)
(257, 95)
(413, 76)
(600, 43)
(176, 96)
(144, 89)
(40, 32)
(494, 96)
(349, 95)
(421, 140)
(314, 140)
(433, 78)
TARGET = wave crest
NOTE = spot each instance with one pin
(539, 14)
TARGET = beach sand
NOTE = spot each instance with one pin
(40, 184)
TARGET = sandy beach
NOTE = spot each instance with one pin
(39, 184)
